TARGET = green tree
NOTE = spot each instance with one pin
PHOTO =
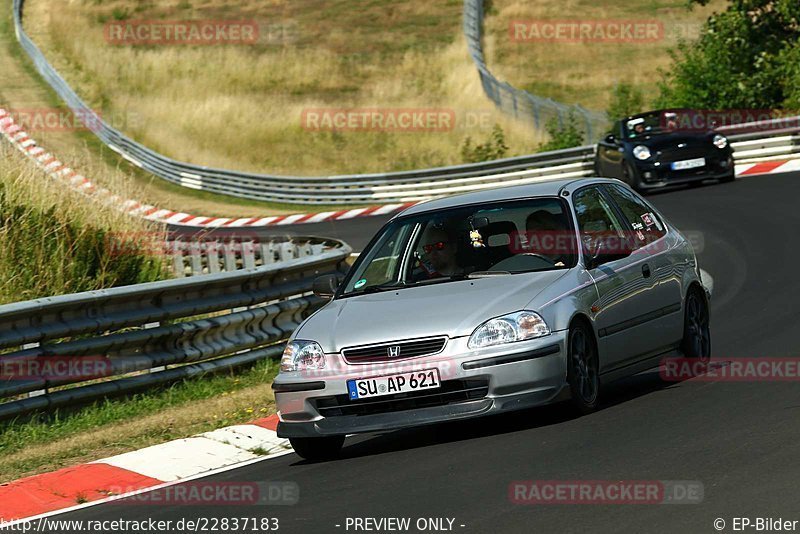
(626, 100)
(740, 59)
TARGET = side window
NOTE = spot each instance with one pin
(596, 219)
(646, 225)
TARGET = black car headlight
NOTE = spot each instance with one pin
(720, 141)
(641, 152)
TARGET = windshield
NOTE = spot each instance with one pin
(473, 241)
(650, 124)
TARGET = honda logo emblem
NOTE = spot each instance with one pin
(393, 351)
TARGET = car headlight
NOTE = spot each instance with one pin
(517, 326)
(720, 141)
(301, 355)
(641, 152)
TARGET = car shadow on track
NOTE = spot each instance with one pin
(615, 393)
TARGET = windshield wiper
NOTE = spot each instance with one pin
(487, 274)
(377, 289)
(439, 279)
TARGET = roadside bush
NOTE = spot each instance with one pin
(495, 147)
(566, 134)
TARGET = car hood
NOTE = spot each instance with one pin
(451, 308)
(672, 140)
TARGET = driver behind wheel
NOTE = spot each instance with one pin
(545, 234)
(438, 253)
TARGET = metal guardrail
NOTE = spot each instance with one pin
(516, 102)
(405, 186)
(121, 340)
(196, 255)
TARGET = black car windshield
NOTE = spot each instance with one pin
(649, 124)
(467, 242)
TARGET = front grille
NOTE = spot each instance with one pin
(407, 349)
(451, 391)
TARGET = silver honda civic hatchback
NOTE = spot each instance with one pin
(488, 302)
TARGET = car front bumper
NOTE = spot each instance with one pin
(653, 175)
(473, 383)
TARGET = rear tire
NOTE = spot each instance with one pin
(583, 375)
(317, 449)
(696, 342)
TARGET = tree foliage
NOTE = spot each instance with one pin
(746, 57)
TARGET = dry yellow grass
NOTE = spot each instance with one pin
(586, 72)
(241, 106)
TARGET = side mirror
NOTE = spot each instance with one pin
(611, 139)
(325, 286)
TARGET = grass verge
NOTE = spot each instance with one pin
(55, 240)
(585, 72)
(248, 114)
(23, 89)
(64, 438)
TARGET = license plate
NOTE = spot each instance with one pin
(688, 164)
(363, 388)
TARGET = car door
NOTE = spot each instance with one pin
(609, 157)
(656, 248)
(625, 291)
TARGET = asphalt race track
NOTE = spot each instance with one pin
(741, 440)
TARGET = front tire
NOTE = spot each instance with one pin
(317, 449)
(583, 369)
(629, 177)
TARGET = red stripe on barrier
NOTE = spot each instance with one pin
(304, 218)
(763, 168)
(65, 488)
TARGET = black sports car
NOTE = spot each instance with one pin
(656, 149)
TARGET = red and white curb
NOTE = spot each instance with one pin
(137, 471)
(767, 167)
(58, 170)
